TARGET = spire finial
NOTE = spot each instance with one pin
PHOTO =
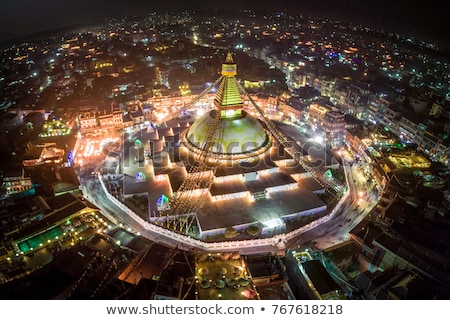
(229, 67)
(229, 58)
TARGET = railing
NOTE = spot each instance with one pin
(277, 241)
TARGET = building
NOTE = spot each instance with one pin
(265, 269)
(329, 121)
(343, 255)
(16, 185)
(88, 120)
(137, 115)
(49, 222)
(390, 118)
(411, 127)
(111, 120)
(43, 154)
(324, 85)
(334, 126)
(357, 99)
(400, 284)
(435, 147)
(377, 108)
(294, 111)
(310, 279)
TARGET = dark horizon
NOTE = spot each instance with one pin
(25, 18)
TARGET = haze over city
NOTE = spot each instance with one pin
(425, 19)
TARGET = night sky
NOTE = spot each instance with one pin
(428, 19)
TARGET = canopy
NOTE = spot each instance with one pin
(220, 283)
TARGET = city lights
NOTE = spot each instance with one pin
(144, 160)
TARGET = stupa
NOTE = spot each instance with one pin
(230, 172)
(239, 135)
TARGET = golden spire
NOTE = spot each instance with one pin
(229, 68)
(229, 58)
(228, 98)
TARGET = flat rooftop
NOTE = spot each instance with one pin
(239, 211)
(245, 167)
(319, 276)
(264, 181)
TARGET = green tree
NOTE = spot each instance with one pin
(231, 232)
(253, 230)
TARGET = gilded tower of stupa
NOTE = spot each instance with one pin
(240, 134)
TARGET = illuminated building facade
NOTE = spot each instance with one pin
(332, 123)
(41, 154)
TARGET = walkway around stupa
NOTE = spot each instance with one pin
(259, 245)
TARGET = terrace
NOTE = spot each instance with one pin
(223, 276)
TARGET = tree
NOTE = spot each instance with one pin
(103, 85)
(231, 232)
(253, 230)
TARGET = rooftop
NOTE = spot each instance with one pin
(319, 277)
(240, 211)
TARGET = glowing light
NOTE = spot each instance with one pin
(272, 224)
(200, 111)
(140, 176)
(318, 139)
(163, 200)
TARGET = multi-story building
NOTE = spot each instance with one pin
(377, 109)
(357, 100)
(127, 120)
(334, 126)
(324, 85)
(435, 147)
(113, 119)
(338, 97)
(313, 278)
(331, 122)
(390, 118)
(317, 112)
(138, 116)
(436, 109)
(297, 79)
(411, 127)
(88, 119)
(92, 120)
(48, 219)
(16, 185)
(295, 112)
